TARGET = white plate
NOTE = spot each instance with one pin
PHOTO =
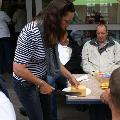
(88, 90)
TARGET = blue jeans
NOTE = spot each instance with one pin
(58, 82)
(37, 105)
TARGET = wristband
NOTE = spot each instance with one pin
(41, 84)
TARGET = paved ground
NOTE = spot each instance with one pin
(65, 112)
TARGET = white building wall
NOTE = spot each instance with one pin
(0, 3)
(29, 10)
(38, 4)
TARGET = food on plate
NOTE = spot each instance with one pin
(81, 89)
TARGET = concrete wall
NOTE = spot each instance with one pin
(38, 4)
(0, 3)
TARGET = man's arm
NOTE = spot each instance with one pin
(105, 97)
(86, 64)
(116, 62)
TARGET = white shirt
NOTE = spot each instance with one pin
(6, 108)
(4, 19)
(64, 53)
(20, 19)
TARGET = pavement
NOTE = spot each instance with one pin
(65, 112)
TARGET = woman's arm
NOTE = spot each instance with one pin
(22, 71)
(69, 76)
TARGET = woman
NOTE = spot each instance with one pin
(36, 57)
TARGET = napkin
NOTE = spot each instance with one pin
(82, 78)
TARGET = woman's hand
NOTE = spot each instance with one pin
(73, 81)
(45, 88)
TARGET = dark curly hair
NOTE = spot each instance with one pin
(52, 16)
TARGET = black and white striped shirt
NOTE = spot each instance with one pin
(30, 50)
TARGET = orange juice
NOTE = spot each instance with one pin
(103, 78)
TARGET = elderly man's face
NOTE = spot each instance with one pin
(101, 34)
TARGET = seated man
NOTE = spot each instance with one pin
(6, 108)
(101, 54)
(112, 96)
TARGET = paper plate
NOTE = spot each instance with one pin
(68, 89)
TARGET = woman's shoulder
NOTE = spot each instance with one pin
(31, 28)
(31, 25)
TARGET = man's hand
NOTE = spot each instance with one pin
(105, 97)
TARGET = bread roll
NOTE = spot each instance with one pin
(81, 89)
